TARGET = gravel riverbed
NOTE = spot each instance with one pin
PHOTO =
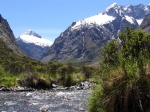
(45, 101)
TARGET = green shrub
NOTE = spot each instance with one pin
(125, 89)
(96, 101)
(7, 79)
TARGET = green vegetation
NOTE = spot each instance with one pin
(24, 71)
(125, 75)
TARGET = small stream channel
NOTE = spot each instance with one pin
(49, 101)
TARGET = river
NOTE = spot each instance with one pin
(49, 101)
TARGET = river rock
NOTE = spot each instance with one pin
(81, 109)
(5, 89)
(17, 88)
(45, 108)
(54, 85)
(83, 85)
(24, 89)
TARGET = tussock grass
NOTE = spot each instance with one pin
(7, 79)
(121, 93)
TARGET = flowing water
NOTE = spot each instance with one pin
(50, 101)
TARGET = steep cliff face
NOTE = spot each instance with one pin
(82, 41)
(6, 34)
(145, 25)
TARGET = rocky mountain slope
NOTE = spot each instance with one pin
(33, 44)
(145, 25)
(6, 34)
(81, 42)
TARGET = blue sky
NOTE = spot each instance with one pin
(51, 17)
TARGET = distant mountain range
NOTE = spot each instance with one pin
(33, 44)
(81, 42)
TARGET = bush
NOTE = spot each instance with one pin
(69, 81)
(88, 71)
(126, 97)
(125, 89)
(30, 80)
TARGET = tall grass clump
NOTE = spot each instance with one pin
(7, 79)
(127, 88)
(96, 100)
(34, 81)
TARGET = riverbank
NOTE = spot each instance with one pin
(80, 86)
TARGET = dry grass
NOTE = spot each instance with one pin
(123, 96)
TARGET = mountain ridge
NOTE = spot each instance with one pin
(6, 34)
(82, 41)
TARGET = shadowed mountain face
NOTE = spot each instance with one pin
(7, 36)
(145, 25)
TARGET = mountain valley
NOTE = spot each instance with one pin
(98, 64)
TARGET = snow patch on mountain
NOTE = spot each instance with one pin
(146, 8)
(99, 19)
(32, 37)
(139, 21)
(130, 19)
(127, 8)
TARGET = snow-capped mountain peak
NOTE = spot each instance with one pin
(132, 13)
(114, 5)
(98, 19)
(82, 41)
(114, 10)
(32, 37)
(32, 33)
